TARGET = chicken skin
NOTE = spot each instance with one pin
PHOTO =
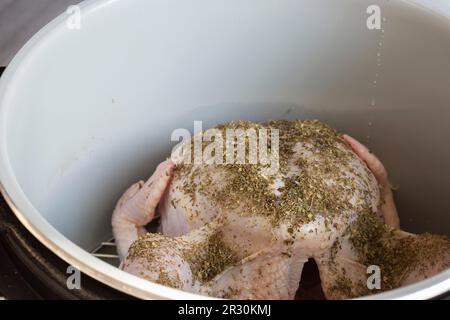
(232, 231)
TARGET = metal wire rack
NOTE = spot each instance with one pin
(107, 252)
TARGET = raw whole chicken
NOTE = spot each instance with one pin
(230, 231)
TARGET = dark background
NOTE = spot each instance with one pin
(21, 19)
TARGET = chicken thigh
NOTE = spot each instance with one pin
(232, 231)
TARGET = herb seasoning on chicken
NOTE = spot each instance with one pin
(231, 230)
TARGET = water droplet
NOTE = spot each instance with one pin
(379, 65)
(372, 102)
(382, 30)
(375, 82)
(378, 54)
(384, 19)
(380, 44)
(370, 123)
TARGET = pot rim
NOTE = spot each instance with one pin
(35, 223)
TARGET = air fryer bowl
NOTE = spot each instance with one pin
(85, 113)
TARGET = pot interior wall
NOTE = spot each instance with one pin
(93, 109)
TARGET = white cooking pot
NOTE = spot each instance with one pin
(86, 111)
